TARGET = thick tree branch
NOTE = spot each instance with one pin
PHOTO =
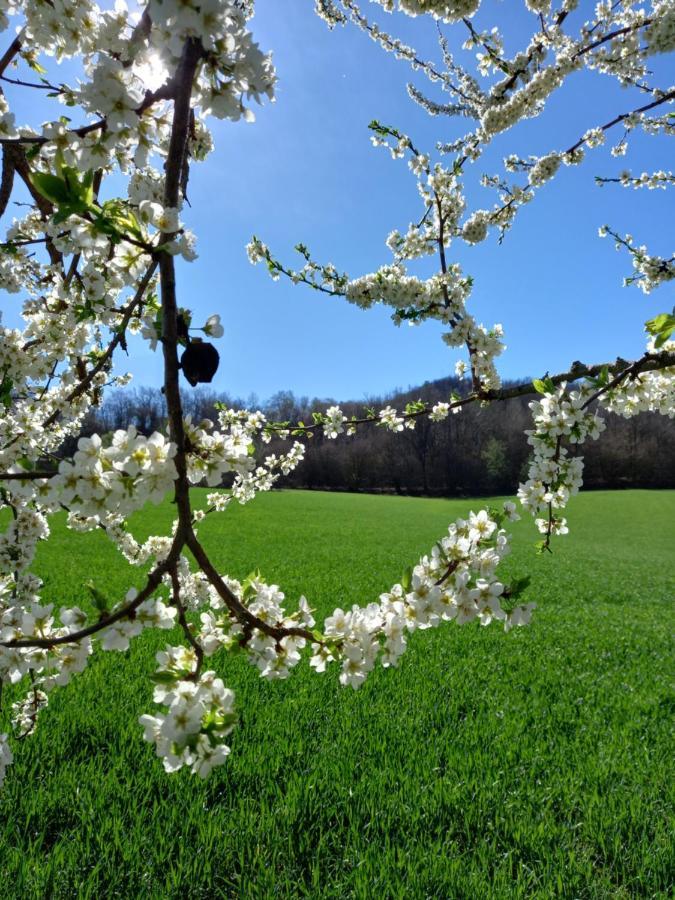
(7, 180)
(175, 162)
(233, 603)
(11, 52)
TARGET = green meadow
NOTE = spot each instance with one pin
(488, 765)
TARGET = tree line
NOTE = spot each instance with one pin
(481, 450)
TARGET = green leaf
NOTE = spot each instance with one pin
(658, 323)
(543, 385)
(100, 600)
(80, 190)
(518, 585)
(663, 337)
(415, 406)
(50, 186)
(496, 515)
(35, 66)
(601, 380)
(661, 327)
(163, 678)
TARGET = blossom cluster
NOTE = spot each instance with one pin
(554, 475)
(502, 113)
(118, 479)
(447, 10)
(200, 714)
(24, 619)
(648, 392)
(650, 271)
(651, 180)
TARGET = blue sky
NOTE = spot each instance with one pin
(306, 171)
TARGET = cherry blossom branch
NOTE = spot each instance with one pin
(242, 613)
(117, 339)
(628, 29)
(400, 49)
(536, 48)
(22, 168)
(664, 98)
(630, 371)
(650, 362)
(166, 92)
(153, 582)
(495, 57)
(31, 84)
(192, 53)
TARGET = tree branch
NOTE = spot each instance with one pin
(621, 369)
(153, 582)
(664, 98)
(116, 340)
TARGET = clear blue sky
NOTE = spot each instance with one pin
(306, 171)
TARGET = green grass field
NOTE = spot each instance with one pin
(531, 764)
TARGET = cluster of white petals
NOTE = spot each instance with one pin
(660, 34)
(503, 113)
(650, 392)
(447, 10)
(199, 715)
(554, 475)
(114, 480)
(544, 169)
(455, 582)
(650, 180)
(650, 271)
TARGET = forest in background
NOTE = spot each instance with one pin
(482, 450)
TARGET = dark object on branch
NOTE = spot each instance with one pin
(199, 362)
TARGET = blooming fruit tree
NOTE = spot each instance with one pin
(89, 271)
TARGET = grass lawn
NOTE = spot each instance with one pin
(531, 764)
